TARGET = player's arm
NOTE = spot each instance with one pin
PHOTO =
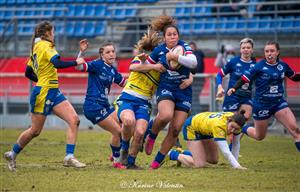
(29, 73)
(59, 64)
(142, 65)
(223, 146)
(189, 60)
(295, 77)
(187, 82)
(236, 145)
(238, 85)
(219, 80)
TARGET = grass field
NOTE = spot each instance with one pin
(273, 165)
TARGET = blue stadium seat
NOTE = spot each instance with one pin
(286, 24)
(2, 2)
(265, 23)
(100, 28)
(79, 11)
(185, 27)
(100, 11)
(231, 25)
(1, 28)
(210, 26)
(297, 24)
(8, 14)
(26, 28)
(183, 12)
(198, 27)
(89, 29)
(221, 24)
(241, 26)
(79, 29)
(59, 28)
(70, 28)
(10, 2)
(198, 11)
(253, 25)
(71, 10)
(22, 2)
(89, 10)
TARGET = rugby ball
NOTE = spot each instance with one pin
(178, 50)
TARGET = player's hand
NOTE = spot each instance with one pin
(230, 91)
(241, 168)
(80, 61)
(186, 82)
(220, 92)
(83, 45)
(142, 57)
(159, 67)
(172, 56)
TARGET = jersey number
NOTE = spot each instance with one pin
(217, 115)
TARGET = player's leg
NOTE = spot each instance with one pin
(140, 129)
(211, 150)
(37, 123)
(248, 110)
(198, 154)
(65, 111)
(287, 119)
(166, 112)
(109, 124)
(171, 137)
(127, 117)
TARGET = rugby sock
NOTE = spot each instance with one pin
(297, 143)
(174, 155)
(115, 152)
(131, 160)
(186, 152)
(152, 135)
(245, 128)
(124, 145)
(70, 149)
(159, 157)
(148, 128)
(16, 150)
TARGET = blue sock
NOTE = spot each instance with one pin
(115, 151)
(298, 145)
(174, 155)
(131, 160)
(230, 146)
(245, 128)
(70, 149)
(148, 128)
(152, 135)
(124, 145)
(159, 157)
(186, 152)
(17, 148)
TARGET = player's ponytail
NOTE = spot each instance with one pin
(149, 41)
(159, 23)
(240, 118)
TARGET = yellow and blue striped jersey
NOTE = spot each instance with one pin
(41, 64)
(142, 84)
(212, 124)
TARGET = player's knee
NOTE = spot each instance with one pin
(164, 119)
(139, 133)
(75, 121)
(35, 133)
(128, 121)
(175, 133)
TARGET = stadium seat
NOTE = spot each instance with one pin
(79, 29)
(231, 25)
(71, 10)
(253, 24)
(79, 11)
(241, 26)
(100, 28)
(10, 2)
(210, 25)
(70, 28)
(100, 11)
(48, 12)
(286, 24)
(2, 2)
(198, 11)
(198, 27)
(297, 24)
(89, 10)
(183, 12)
(89, 29)
(265, 23)
(185, 27)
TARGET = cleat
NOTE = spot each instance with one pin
(11, 163)
(111, 158)
(154, 165)
(73, 162)
(123, 157)
(134, 167)
(118, 165)
(149, 145)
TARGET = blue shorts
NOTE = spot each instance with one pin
(97, 111)
(141, 108)
(181, 97)
(233, 103)
(264, 110)
(189, 134)
(43, 99)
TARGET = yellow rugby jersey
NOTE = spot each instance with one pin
(45, 71)
(213, 124)
(142, 84)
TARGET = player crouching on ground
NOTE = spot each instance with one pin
(204, 132)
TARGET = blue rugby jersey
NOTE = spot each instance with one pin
(268, 79)
(101, 76)
(236, 67)
(169, 77)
